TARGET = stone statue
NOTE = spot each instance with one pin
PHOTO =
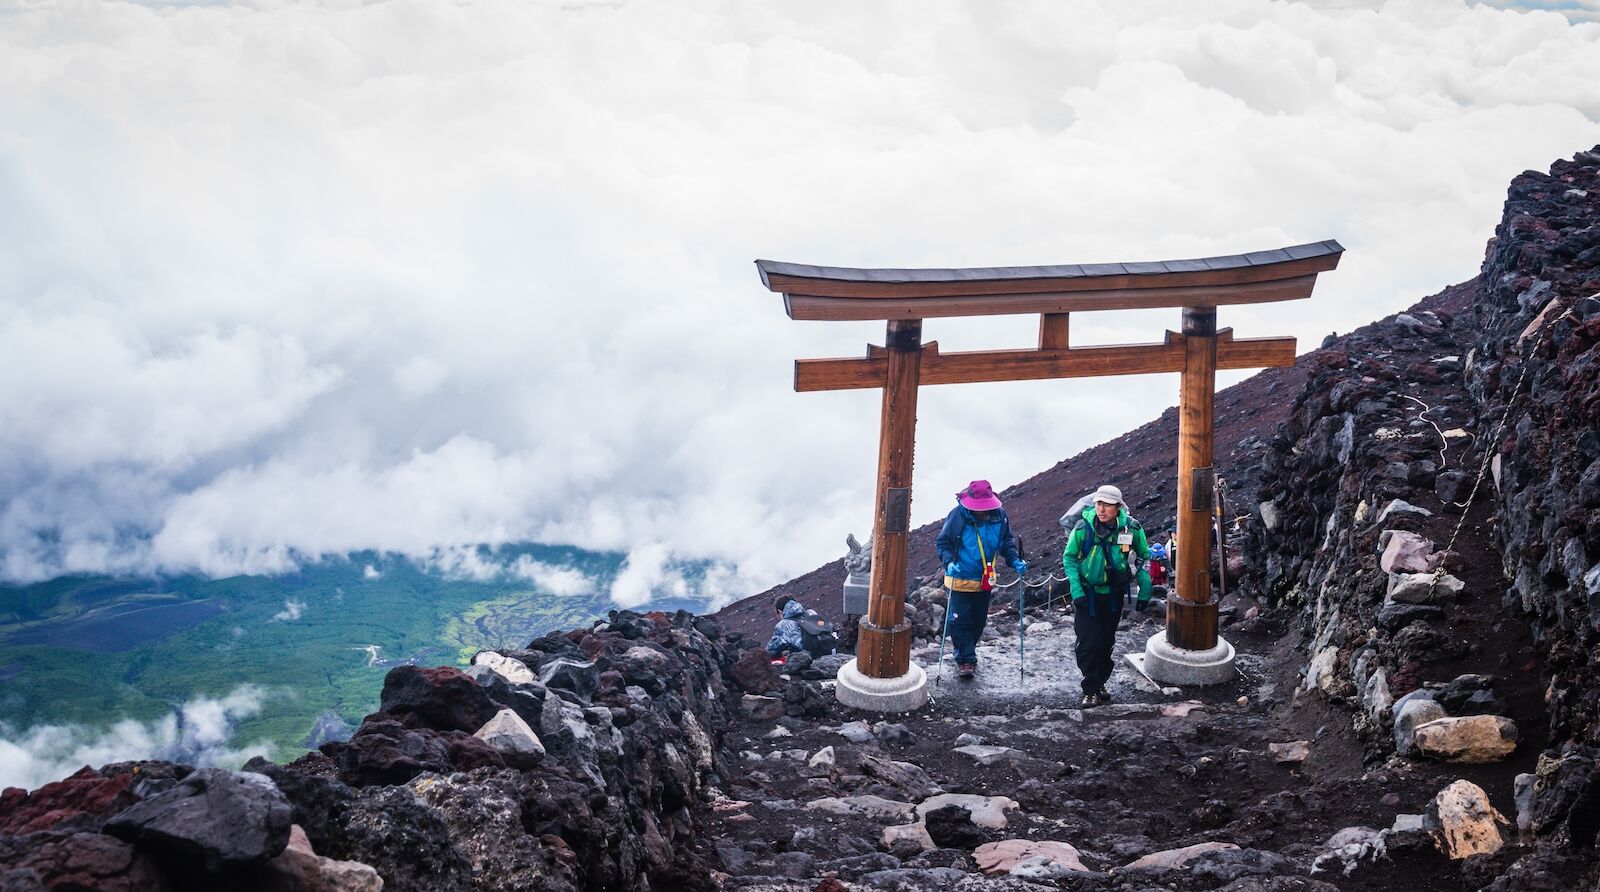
(858, 575)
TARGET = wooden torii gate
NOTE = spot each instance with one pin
(883, 676)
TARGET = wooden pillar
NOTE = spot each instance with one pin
(1192, 615)
(883, 648)
(1053, 331)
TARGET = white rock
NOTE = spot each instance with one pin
(856, 732)
(1320, 674)
(1040, 626)
(986, 811)
(1172, 859)
(1414, 713)
(1407, 553)
(1463, 823)
(1269, 515)
(1401, 506)
(1471, 738)
(512, 670)
(823, 758)
(866, 806)
(1523, 796)
(988, 755)
(1420, 588)
(509, 734)
(777, 732)
(1376, 697)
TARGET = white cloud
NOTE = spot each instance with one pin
(284, 280)
(552, 578)
(198, 733)
(370, 572)
(291, 611)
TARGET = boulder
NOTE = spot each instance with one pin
(1172, 859)
(828, 666)
(1401, 506)
(1463, 823)
(1408, 717)
(1408, 553)
(301, 868)
(514, 671)
(803, 700)
(753, 672)
(1000, 857)
(223, 819)
(1453, 486)
(986, 811)
(527, 700)
(77, 861)
(383, 751)
(822, 759)
(579, 678)
(1474, 738)
(512, 739)
(856, 732)
(78, 802)
(1320, 672)
(1420, 588)
(442, 698)
(1393, 616)
(951, 827)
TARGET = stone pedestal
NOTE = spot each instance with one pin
(1169, 665)
(901, 694)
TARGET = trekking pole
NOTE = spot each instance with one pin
(949, 596)
(1022, 651)
(1222, 541)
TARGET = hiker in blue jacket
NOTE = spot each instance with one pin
(976, 536)
(786, 635)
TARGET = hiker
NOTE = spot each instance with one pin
(976, 534)
(1158, 565)
(1102, 560)
(800, 628)
(786, 635)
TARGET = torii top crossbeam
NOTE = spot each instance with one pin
(904, 297)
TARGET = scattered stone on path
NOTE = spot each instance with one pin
(1181, 710)
(1292, 753)
(968, 740)
(951, 827)
(1420, 588)
(1472, 739)
(1320, 673)
(856, 732)
(875, 807)
(907, 838)
(1463, 823)
(1172, 859)
(1405, 552)
(512, 739)
(760, 708)
(1409, 716)
(1401, 506)
(1000, 857)
(1348, 848)
(989, 755)
(894, 733)
(986, 811)
(822, 759)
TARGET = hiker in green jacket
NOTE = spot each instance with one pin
(1106, 552)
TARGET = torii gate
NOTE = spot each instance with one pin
(1190, 651)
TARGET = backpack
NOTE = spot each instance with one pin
(817, 634)
(1120, 580)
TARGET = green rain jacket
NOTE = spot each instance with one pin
(1086, 555)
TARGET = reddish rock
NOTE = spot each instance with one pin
(468, 752)
(753, 672)
(442, 698)
(83, 861)
(81, 801)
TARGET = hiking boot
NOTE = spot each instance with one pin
(966, 670)
(1101, 698)
(1089, 699)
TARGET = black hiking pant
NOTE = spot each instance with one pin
(1094, 619)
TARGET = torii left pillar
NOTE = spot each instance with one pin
(883, 678)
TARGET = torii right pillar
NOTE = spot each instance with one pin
(1190, 651)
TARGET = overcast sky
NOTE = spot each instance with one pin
(280, 279)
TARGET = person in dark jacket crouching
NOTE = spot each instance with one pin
(976, 536)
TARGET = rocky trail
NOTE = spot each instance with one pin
(1416, 608)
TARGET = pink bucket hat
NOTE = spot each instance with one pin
(979, 496)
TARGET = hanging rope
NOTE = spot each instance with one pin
(1491, 446)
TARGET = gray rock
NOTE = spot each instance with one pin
(512, 739)
(1420, 588)
(1393, 615)
(760, 708)
(989, 755)
(968, 740)
(223, 819)
(1408, 717)
(1401, 506)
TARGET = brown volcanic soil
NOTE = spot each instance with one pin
(1143, 462)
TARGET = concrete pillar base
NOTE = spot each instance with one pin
(901, 694)
(1169, 665)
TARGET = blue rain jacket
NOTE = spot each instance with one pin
(958, 544)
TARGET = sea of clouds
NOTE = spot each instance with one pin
(283, 279)
(198, 733)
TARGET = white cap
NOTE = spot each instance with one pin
(1109, 494)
